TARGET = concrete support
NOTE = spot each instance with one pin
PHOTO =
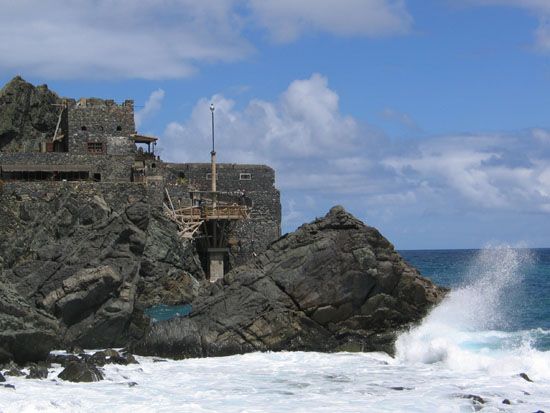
(216, 257)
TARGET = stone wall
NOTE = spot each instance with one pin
(101, 121)
(112, 168)
(257, 182)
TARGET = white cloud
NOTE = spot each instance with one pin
(323, 157)
(304, 122)
(152, 106)
(481, 171)
(157, 39)
(117, 39)
(288, 19)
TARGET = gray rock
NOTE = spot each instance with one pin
(27, 115)
(90, 258)
(26, 334)
(81, 372)
(525, 377)
(38, 372)
(333, 284)
(14, 372)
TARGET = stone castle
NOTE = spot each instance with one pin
(55, 141)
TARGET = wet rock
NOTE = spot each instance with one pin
(81, 372)
(75, 350)
(8, 386)
(131, 359)
(111, 353)
(118, 360)
(38, 372)
(15, 372)
(99, 358)
(525, 377)
(2, 378)
(333, 283)
(506, 401)
(473, 397)
(132, 384)
(63, 359)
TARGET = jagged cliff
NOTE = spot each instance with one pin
(90, 256)
(81, 260)
(28, 115)
(334, 284)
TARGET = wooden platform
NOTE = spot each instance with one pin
(191, 219)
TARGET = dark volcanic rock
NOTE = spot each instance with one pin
(334, 284)
(81, 372)
(26, 334)
(62, 359)
(28, 115)
(38, 372)
(14, 372)
(91, 257)
(524, 376)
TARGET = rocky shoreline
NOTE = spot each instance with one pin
(334, 284)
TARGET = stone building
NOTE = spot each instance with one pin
(95, 140)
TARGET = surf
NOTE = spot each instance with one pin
(471, 328)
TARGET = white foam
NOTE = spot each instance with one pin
(458, 350)
(457, 333)
(277, 382)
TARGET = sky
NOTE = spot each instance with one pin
(428, 119)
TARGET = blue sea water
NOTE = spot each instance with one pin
(164, 312)
(524, 297)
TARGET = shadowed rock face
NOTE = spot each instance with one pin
(334, 284)
(26, 334)
(27, 115)
(81, 261)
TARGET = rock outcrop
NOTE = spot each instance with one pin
(28, 115)
(92, 257)
(26, 334)
(334, 284)
(81, 372)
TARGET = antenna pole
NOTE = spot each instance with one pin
(213, 160)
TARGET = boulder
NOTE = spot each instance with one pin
(334, 284)
(26, 333)
(81, 372)
(38, 372)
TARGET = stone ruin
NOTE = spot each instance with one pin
(58, 141)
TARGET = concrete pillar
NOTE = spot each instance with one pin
(216, 257)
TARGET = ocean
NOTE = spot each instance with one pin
(465, 356)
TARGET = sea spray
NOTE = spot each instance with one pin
(467, 331)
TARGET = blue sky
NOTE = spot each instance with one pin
(429, 119)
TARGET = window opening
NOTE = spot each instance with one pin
(95, 147)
